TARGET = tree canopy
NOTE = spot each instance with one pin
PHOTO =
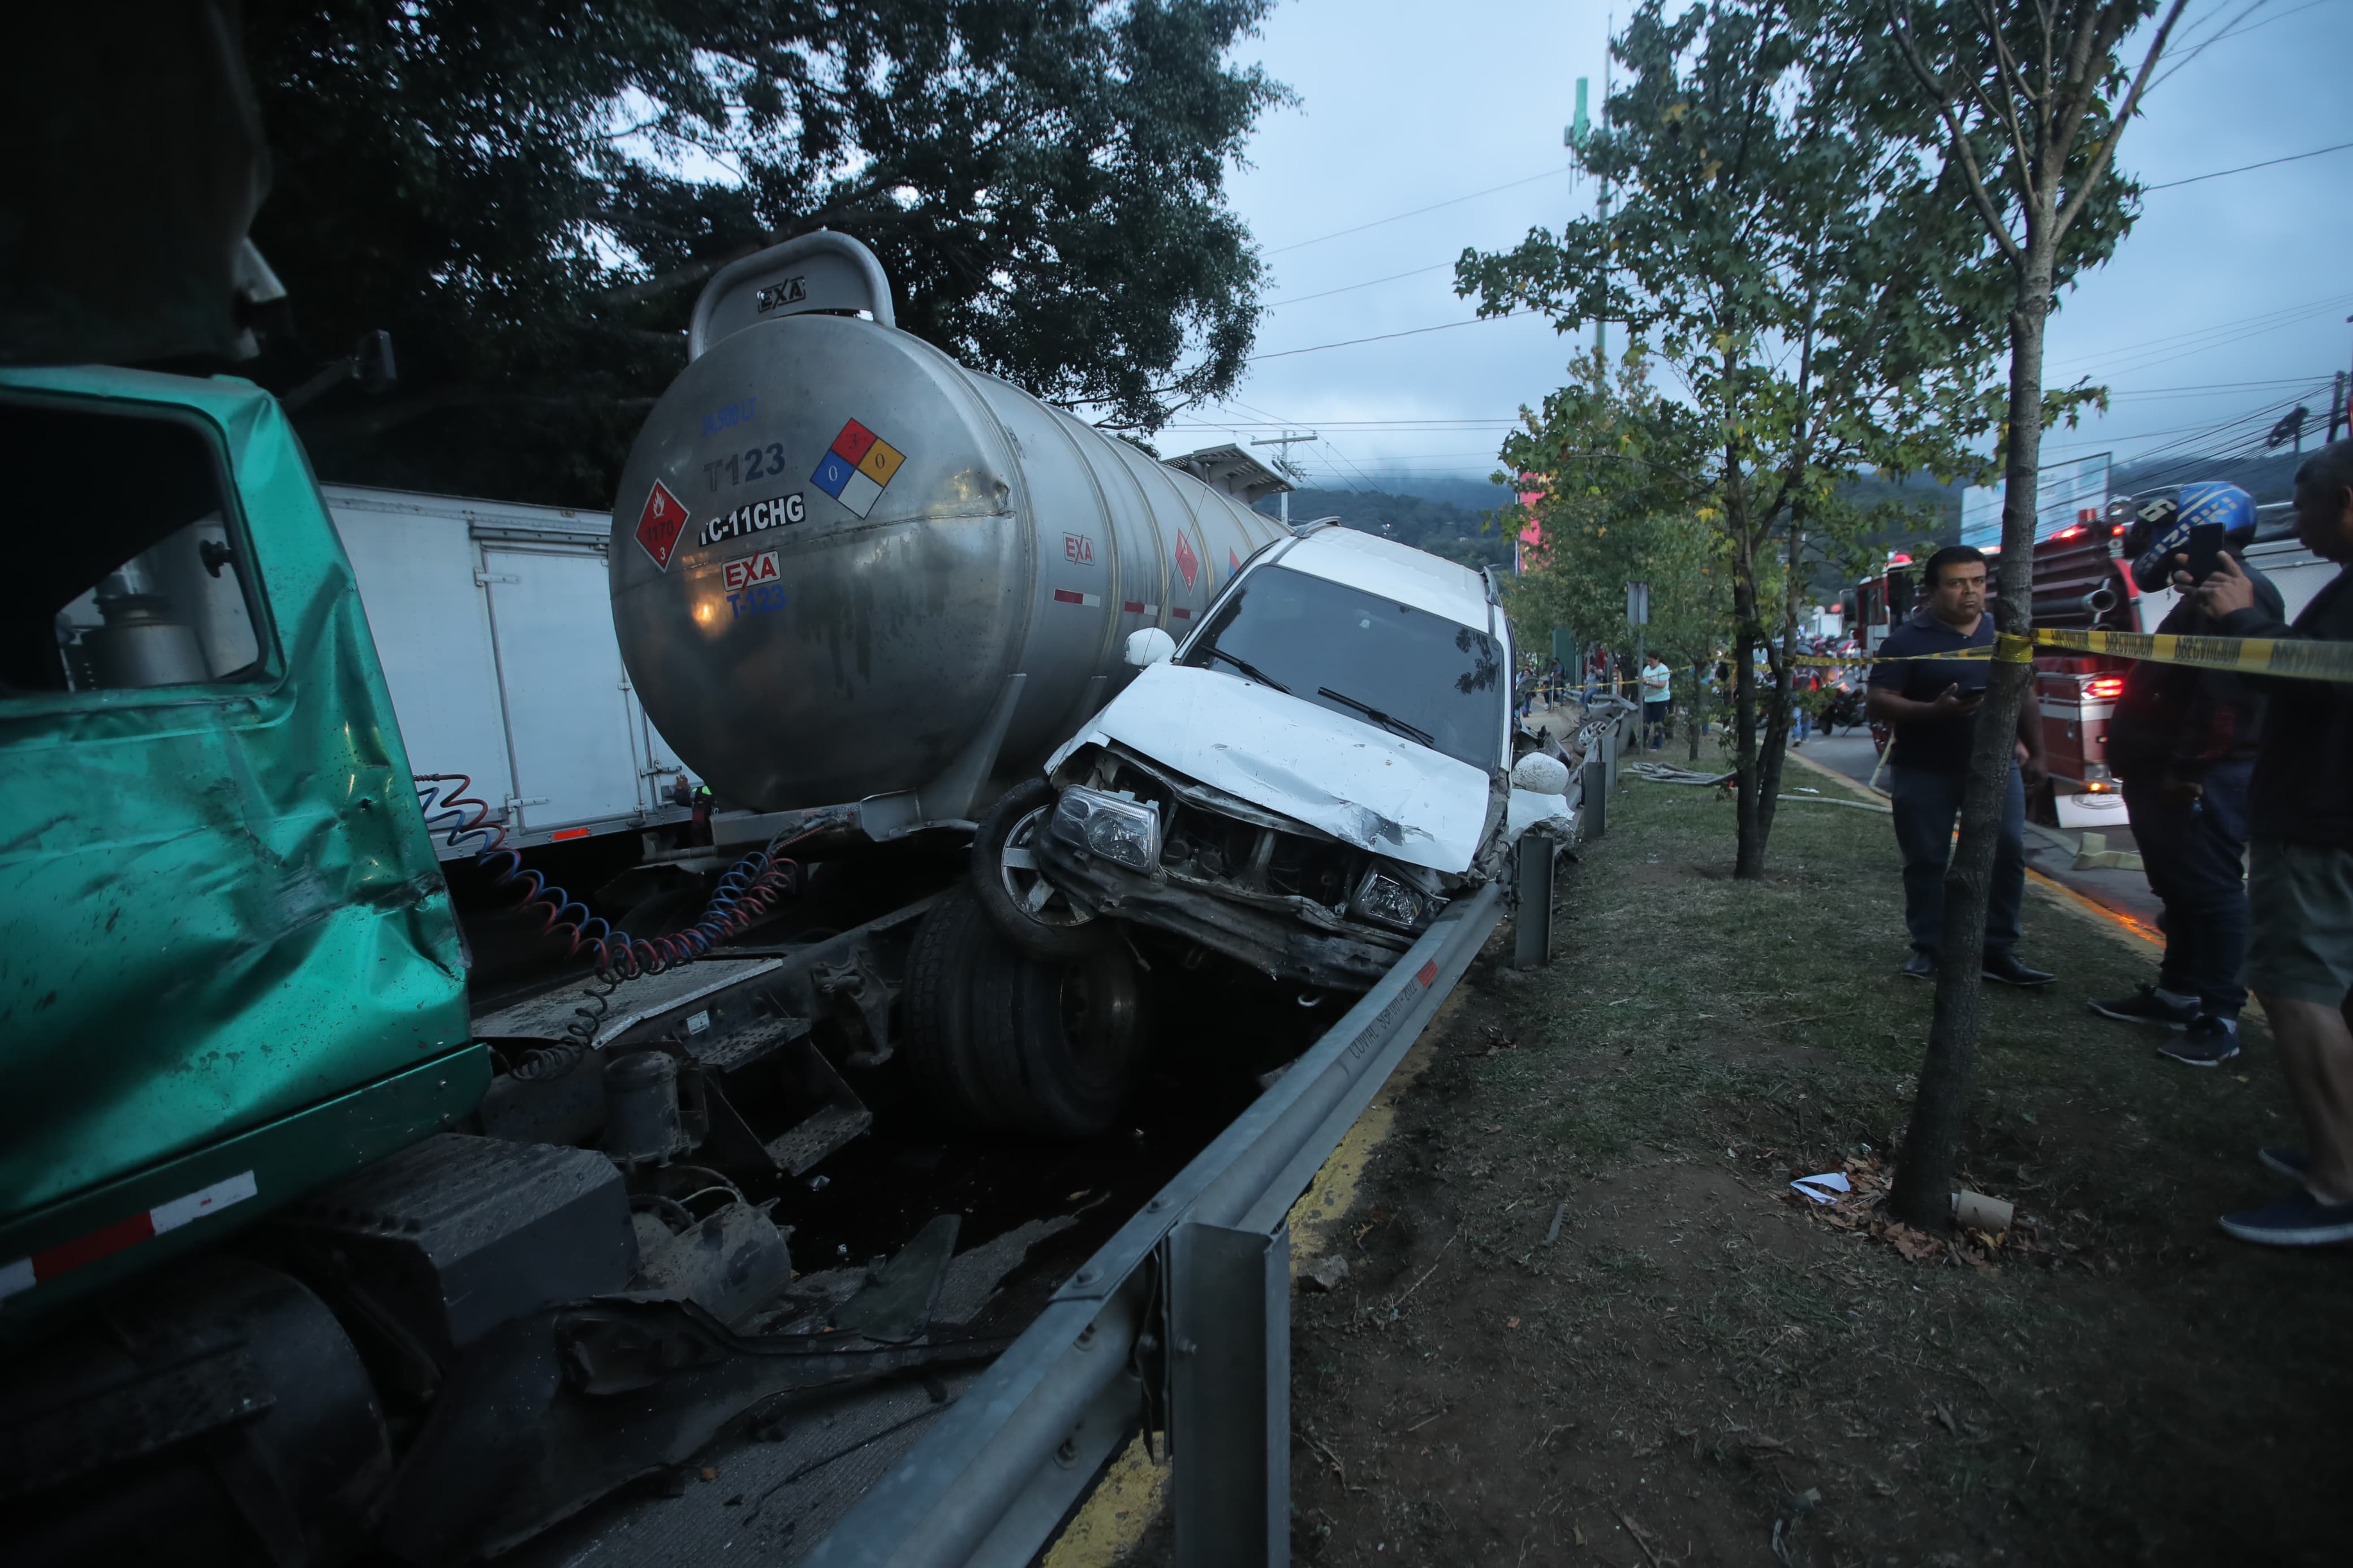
(1808, 272)
(528, 193)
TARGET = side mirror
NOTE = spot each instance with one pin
(1540, 774)
(1149, 647)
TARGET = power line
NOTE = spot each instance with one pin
(1347, 288)
(1396, 217)
(1384, 337)
(2291, 158)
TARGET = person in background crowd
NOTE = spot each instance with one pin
(2183, 742)
(2300, 868)
(1803, 680)
(1932, 704)
(1658, 691)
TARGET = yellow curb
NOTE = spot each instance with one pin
(1116, 1513)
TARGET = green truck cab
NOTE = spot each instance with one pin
(229, 969)
(293, 1267)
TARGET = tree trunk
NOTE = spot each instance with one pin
(1748, 859)
(1924, 1179)
(1698, 708)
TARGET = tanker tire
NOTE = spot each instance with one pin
(1060, 1042)
(1020, 811)
(953, 946)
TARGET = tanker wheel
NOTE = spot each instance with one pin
(1027, 909)
(1059, 1041)
(953, 944)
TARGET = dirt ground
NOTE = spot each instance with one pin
(1699, 1367)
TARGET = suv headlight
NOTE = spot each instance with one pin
(1381, 896)
(1124, 831)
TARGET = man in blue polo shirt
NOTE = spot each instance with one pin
(1933, 704)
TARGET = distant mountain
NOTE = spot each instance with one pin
(1442, 526)
(1474, 495)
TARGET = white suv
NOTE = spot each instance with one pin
(1302, 785)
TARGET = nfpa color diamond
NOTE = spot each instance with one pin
(857, 466)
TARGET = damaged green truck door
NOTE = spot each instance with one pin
(230, 970)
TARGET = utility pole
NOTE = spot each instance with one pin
(1574, 137)
(1286, 440)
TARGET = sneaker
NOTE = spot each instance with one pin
(2208, 1043)
(2297, 1220)
(1920, 966)
(2148, 1005)
(2292, 1163)
(2005, 967)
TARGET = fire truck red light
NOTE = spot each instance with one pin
(2109, 686)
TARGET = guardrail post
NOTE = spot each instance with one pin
(1532, 922)
(1230, 1396)
(1596, 815)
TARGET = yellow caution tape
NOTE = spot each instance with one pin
(2293, 659)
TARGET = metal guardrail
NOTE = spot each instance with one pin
(1181, 1322)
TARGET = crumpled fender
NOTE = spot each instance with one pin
(1361, 784)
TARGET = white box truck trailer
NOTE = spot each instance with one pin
(494, 624)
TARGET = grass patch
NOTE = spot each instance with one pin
(1696, 1351)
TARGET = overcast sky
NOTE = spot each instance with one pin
(2223, 282)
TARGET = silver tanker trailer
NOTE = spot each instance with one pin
(849, 572)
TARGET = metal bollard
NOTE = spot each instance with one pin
(1532, 922)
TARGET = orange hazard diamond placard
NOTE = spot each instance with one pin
(661, 523)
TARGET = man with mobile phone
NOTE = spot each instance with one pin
(2183, 742)
(1932, 704)
(2300, 868)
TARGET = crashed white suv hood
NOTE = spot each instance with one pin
(1361, 784)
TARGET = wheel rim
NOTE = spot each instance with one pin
(1032, 894)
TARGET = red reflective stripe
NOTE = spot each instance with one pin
(1134, 607)
(1429, 972)
(1064, 596)
(568, 833)
(89, 1248)
(1182, 614)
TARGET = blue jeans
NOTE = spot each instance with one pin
(1927, 807)
(1804, 721)
(2193, 852)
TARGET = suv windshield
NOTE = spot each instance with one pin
(1430, 680)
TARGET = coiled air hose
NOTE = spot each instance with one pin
(750, 888)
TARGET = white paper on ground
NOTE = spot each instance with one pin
(1819, 1188)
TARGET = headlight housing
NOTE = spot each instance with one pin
(1381, 896)
(1124, 831)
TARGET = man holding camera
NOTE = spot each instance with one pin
(2183, 742)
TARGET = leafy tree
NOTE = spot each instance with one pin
(1606, 518)
(528, 193)
(1792, 260)
(2026, 101)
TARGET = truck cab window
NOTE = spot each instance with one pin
(127, 570)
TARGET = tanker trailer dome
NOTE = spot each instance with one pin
(846, 569)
